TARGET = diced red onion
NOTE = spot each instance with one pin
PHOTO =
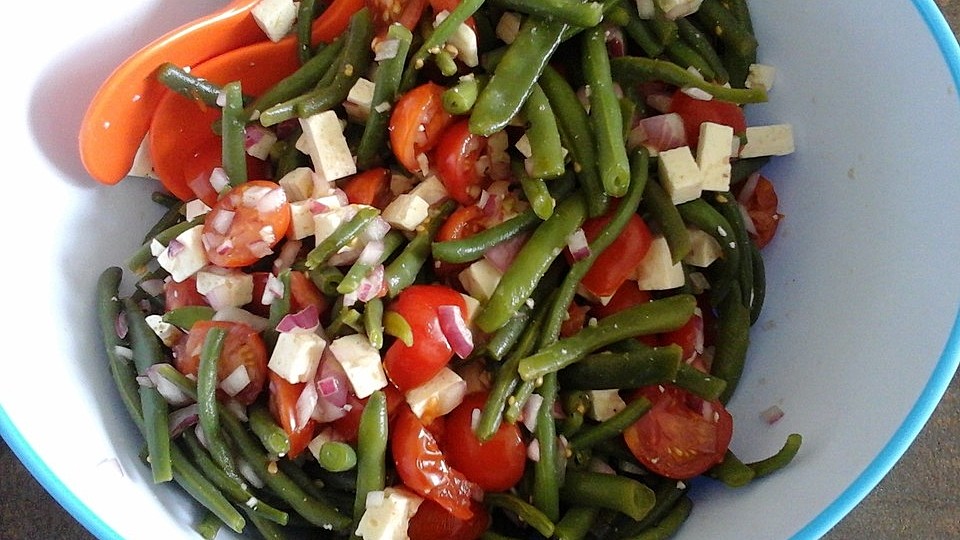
(748, 222)
(249, 474)
(307, 319)
(271, 200)
(306, 403)
(376, 229)
(490, 203)
(475, 415)
(253, 194)
(260, 249)
(288, 254)
(328, 386)
(706, 410)
(234, 383)
(240, 315)
(318, 207)
(371, 284)
(660, 132)
(170, 392)
(455, 329)
(345, 256)
(371, 253)
(331, 370)
(183, 418)
(174, 248)
(120, 325)
(153, 287)
(600, 466)
(578, 245)
(222, 220)
(749, 187)
(616, 44)
(501, 256)
(772, 414)
(219, 179)
(225, 246)
(660, 101)
(531, 409)
(533, 450)
(272, 290)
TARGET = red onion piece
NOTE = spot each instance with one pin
(371, 284)
(748, 223)
(234, 383)
(271, 200)
(772, 414)
(183, 418)
(306, 403)
(331, 370)
(170, 392)
(659, 133)
(533, 451)
(260, 249)
(219, 179)
(616, 43)
(749, 187)
(578, 245)
(120, 325)
(272, 290)
(530, 411)
(376, 229)
(222, 220)
(174, 248)
(501, 256)
(455, 329)
(371, 253)
(288, 254)
(307, 319)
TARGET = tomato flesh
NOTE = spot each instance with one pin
(620, 260)
(283, 407)
(242, 347)
(417, 121)
(697, 111)
(762, 208)
(433, 522)
(182, 294)
(455, 159)
(246, 223)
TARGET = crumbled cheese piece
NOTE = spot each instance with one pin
(523, 145)
(480, 279)
(438, 396)
(773, 140)
(463, 40)
(760, 76)
(188, 258)
(328, 149)
(431, 189)
(301, 220)
(275, 17)
(142, 162)
(195, 208)
(656, 271)
(360, 99)
(406, 212)
(508, 27)
(604, 404)
(298, 184)
(713, 156)
(225, 288)
(264, 141)
(387, 514)
(473, 305)
(679, 174)
(704, 249)
(361, 362)
(297, 355)
(168, 333)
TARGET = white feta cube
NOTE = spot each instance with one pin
(713, 156)
(328, 149)
(773, 140)
(387, 514)
(657, 271)
(275, 17)
(194, 209)
(361, 362)
(360, 99)
(431, 189)
(704, 249)
(760, 76)
(508, 27)
(480, 279)
(604, 404)
(438, 396)
(225, 288)
(142, 162)
(187, 257)
(298, 184)
(463, 40)
(301, 220)
(675, 9)
(473, 305)
(168, 333)
(406, 212)
(297, 355)
(325, 223)
(679, 174)
(261, 141)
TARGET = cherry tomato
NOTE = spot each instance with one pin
(689, 336)
(681, 436)
(199, 165)
(304, 292)
(177, 295)
(496, 464)
(387, 12)
(455, 160)
(283, 407)
(575, 321)
(628, 295)
(416, 123)
(245, 224)
(347, 425)
(423, 468)
(433, 522)
(465, 221)
(762, 207)
(620, 260)
(697, 111)
(409, 367)
(242, 347)
(370, 187)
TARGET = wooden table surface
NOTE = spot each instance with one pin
(919, 499)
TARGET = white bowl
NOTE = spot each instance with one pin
(857, 342)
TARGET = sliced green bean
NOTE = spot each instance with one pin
(731, 471)
(459, 98)
(547, 469)
(611, 427)
(527, 513)
(271, 435)
(572, 12)
(337, 456)
(658, 204)
(576, 523)
(705, 385)
(203, 491)
(546, 153)
(634, 369)
(209, 410)
(121, 369)
(209, 526)
(687, 57)
(189, 86)
(395, 325)
(233, 134)
(670, 524)
(779, 460)
(635, 69)
(403, 271)
(605, 114)
(385, 91)
(372, 438)
(733, 337)
(343, 235)
(373, 322)
(298, 82)
(697, 40)
(613, 492)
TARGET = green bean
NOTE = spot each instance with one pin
(759, 288)
(373, 322)
(298, 82)
(572, 12)
(473, 247)
(141, 257)
(517, 401)
(705, 385)
(395, 325)
(165, 199)
(267, 529)
(507, 335)
(359, 269)
(203, 491)
(233, 134)
(538, 195)
(574, 125)
(146, 352)
(657, 203)
(123, 372)
(309, 483)
(547, 469)
(575, 405)
(665, 29)
(605, 114)
(725, 26)
(692, 36)
(729, 208)
(371, 451)
(649, 318)
(459, 98)
(611, 427)
(271, 435)
(733, 337)
(635, 369)
(613, 492)
(189, 86)
(185, 317)
(171, 217)
(327, 279)
(779, 460)
(741, 169)
(699, 213)
(403, 271)
(343, 235)
(437, 39)
(532, 262)
(635, 69)
(209, 526)
(576, 523)
(668, 492)
(337, 456)
(444, 61)
(346, 317)
(546, 153)
(643, 35)
(731, 471)
(209, 410)
(515, 75)
(527, 513)
(304, 26)
(670, 524)
(385, 91)
(687, 57)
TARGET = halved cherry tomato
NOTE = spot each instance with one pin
(417, 120)
(455, 160)
(681, 436)
(689, 336)
(496, 464)
(762, 207)
(304, 292)
(242, 347)
(182, 294)
(575, 321)
(387, 12)
(283, 407)
(433, 522)
(465, 221)
(409, 367)
(370, 187)
(424, 469)
(245, 223)
(198, 167)
(697, 111)
(620, 260)
(346, 426)
(627, 295)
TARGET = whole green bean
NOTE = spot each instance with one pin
(634, 369)
(233, 134)
(643, 35)
(605, 114)
(459, 98)
(664, 28)
(123, 372)
(306, 11)
(146, 352)
(403, 271)
(697, 40)
(342, 236)
(732, 33)
(538, 195)
(171, 217)
(189, 86)
(372, 438)
(652, 317)
(373, 322)
(668, 492)
(515, 75)
(271, 435)
(527, 512)
(729, 208)
(546, 153)
(203, 491)
(731, 471)
(670, 524)
(687, 57)
(613, 492)
(611, 427)
(532, 262)
(572, 12)
(779, 460)
(437, 39)
(657, 203)
(733, 337)
(209, 526)
(298, 82)
(576, 523)
(547, 469)
(209, 409)
(635, 69)
(705, 385)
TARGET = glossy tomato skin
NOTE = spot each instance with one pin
(424, 469)
(620, 260)
(370, 187)
(464, 222)
(689, 336)
(283, 407)
(762, 208)
(496, 464)
(347, 426)
(246, 223)
(182, 294)
(416, 123)
(242, 346)
(433, 522)
(455, 159)
(681, 436)
(409, 367)
(697, 111)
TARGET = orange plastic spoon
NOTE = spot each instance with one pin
(120, 113)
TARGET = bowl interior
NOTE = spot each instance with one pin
(854, 344)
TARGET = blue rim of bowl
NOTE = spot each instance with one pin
(922, 410)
